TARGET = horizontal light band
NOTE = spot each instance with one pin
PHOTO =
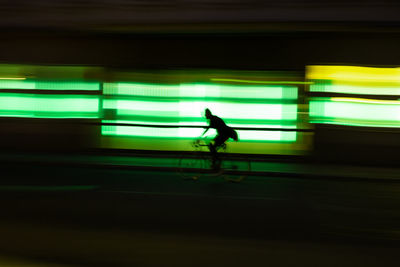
(191, 133)
(355, 89)
(352, 73)
(365, 101)
(49, 85)
(359, 113)
(258, 81)
(48, 106)
(196, 109)
(12, 78)
(201, 90)
(199, 124)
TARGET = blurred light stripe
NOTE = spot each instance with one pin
(191, 133)
(11, 78)
(375, 89)
(258, 81)
(353, 73)
(356, 113)
(355, 81)
(201, 90)
(49, 85)
(45, 106)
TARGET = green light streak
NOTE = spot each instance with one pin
(357, 114)
(45, 106)
(49, 85)
(192, 133)
(17, 84)
(201, 90)
(202, 124)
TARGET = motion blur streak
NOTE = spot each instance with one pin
(353, 73)
(366, 101)
(355, 81)
(11, 78)
(260, 82)
(180, 106)
(54, 106)
(49, 85)
(160, 110)
(356, 113)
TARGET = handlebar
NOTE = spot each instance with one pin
(199, 142)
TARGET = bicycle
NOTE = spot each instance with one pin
(199, 162)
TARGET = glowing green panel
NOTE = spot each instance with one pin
(49, 85)
(355, 89)
(44, 106)
(201, 90)
(184, 104)
(245, 135)
(360, 114)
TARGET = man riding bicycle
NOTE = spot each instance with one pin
(224, 132)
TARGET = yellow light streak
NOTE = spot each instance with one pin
(353, 73)
(11, 78)
(364, 100)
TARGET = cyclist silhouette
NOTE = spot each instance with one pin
(224, 132)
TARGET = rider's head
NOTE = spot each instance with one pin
(208, 113)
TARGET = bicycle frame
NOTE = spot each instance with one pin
(194, 167)
(198, 143)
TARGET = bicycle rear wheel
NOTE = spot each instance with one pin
(191, 168)
(236, 170)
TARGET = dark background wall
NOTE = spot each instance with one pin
(253, 51)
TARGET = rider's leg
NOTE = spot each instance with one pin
(214, 155)
(218, 141)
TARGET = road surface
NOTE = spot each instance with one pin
(92, 216)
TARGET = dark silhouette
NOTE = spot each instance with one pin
(224, 132)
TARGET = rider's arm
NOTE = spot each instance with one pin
(205, 131)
